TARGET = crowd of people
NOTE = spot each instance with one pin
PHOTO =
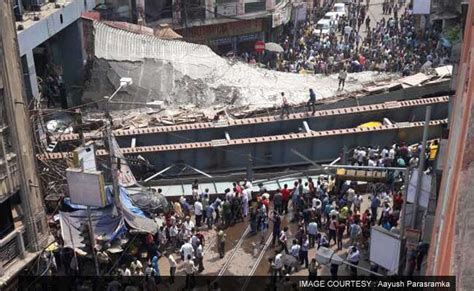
(389, 45)
(398, 155)
(322, 212)
(327, 213)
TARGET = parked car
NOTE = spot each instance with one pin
(323, 26)
(333, 17)
(340, 9)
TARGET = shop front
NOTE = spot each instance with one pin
(237, 36)
(237, 44)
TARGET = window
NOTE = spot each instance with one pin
(257, 6)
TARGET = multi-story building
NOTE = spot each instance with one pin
(446, 13)
(451, 244)
(224, 25)
(23, 225)
(50, 40)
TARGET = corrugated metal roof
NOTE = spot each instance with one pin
(120, 45)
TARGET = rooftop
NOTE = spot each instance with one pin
(46, 10)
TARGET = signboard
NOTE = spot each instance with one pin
(413, 237)
(286, 14)
(227, 9)
(385, 248)
(84, 157)
(259, 46)
(281, 16)
(301, 10)
(205, 32)
(421, 6)
(86, 187)
(425, 189)
(248, 37)
(221, 41)
(276, 19)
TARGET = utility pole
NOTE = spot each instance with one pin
(185, 16)
(113, 163)
(249, 167)
(295, 24)
(19, 124)
(124, 82)
(421, 166)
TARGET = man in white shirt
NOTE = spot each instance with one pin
(187, 250)
(295, 249)
(361, 157)
(350, 197)
(125, 271)
(391, 155)
(355, 154)
(135, 266)
(357, 202)
(189, 269)
(277, 265)
(198, 212)
(347, 32)
(353, 257)
(316, 204)
(188, 225)
(173, 235)
(384, 153)
(282, 239)
(245, 201)
(372, 162)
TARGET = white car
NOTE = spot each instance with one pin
(323, 27)
(340, 9)
(333, 17)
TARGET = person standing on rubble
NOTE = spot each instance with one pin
(285, 108)
(342, 78)
(221, 242)
(312, 101)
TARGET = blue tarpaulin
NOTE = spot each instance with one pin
(104, 222)
(134, 216)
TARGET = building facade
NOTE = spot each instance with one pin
(451, 246)
(24, 232)
(224, 25)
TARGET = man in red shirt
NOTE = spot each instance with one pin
(397, 202)
(285, 193)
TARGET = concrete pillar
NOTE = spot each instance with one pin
(19, 123)
(210, 6)
(30, 60)
(21, 245)
(269, 4)
(240, 7)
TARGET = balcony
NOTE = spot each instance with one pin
(11, 248)
(9, 176)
